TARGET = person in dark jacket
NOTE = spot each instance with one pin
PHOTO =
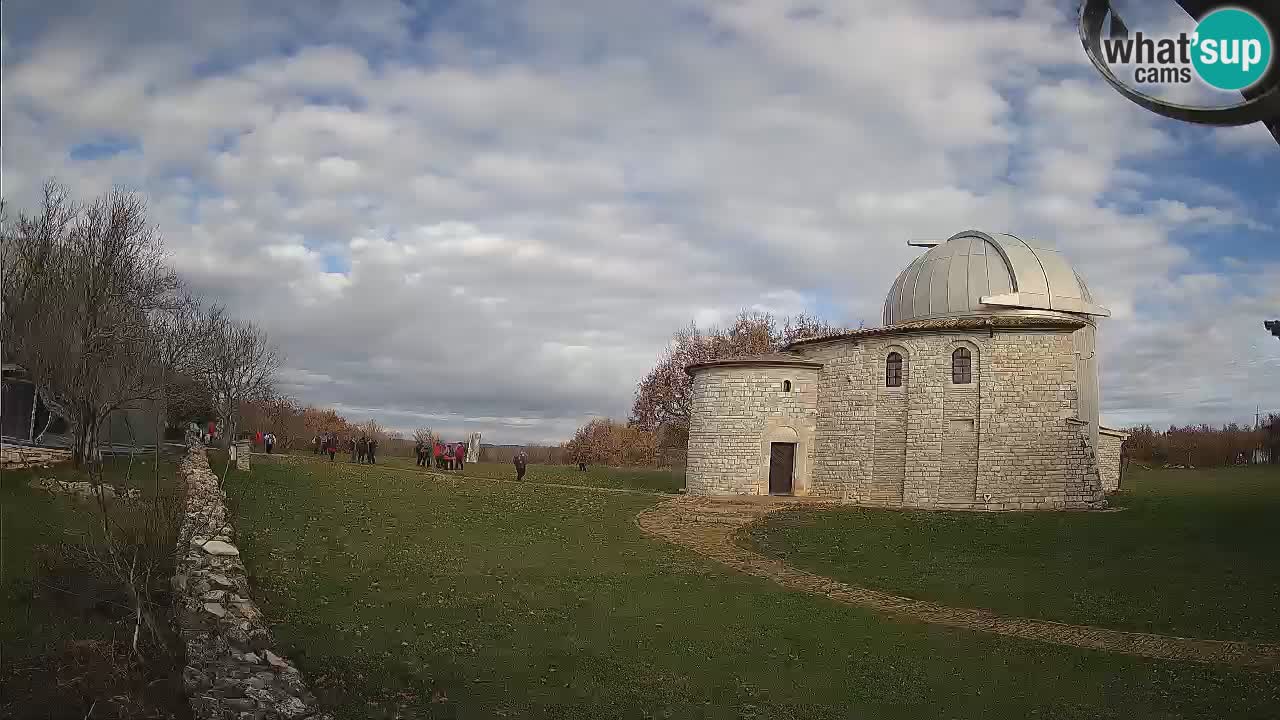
(373, 446)
(362, 448)
(521, 460)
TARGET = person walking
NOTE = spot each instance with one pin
(459, 456)
(351, 445)
(270, 440)
(417, 453)
(315, 445)
(521, 460)
(373, 446)
(362, 448)
(331, 446)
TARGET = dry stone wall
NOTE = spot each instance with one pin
(232, 673)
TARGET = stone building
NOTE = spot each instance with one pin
(980, 391)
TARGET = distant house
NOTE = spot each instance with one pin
(18, 400)
(23, 416)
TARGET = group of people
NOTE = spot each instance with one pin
(267, 440)
(363, 450)
(454, 454)
(325, 442)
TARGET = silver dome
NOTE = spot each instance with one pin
(974, 273)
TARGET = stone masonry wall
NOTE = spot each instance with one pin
(1002, 442)
(846, 427)
(734, 409)
(231, 671)
(1109, 444)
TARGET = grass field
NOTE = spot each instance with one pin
(648, 479)
(1193, 553)
(64, 635)
(528, 601)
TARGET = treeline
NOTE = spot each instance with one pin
(1205, 445)
(296, 426)
(101, 324)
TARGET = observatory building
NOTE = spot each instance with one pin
(980, 391)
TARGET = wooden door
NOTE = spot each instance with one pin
(782, 463)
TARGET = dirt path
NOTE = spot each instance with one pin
(710, 527)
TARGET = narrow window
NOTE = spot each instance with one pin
(961, 366)
(786, 386)
(893, 370)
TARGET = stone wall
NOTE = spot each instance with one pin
(1002, 442)
(231, 670)
(737, 412)
(1109, 444)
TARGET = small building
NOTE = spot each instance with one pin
(23, 415)
(980, 391)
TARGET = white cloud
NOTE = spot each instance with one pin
(562, 189)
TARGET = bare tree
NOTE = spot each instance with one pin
(424, 435)
(242, 366)
(80, 297)
(664, 396)
(181, 358)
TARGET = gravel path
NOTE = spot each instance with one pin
(710, 527)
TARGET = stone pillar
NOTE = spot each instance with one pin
(473, 448)
(240, 453)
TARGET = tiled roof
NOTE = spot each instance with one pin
(767, 359)
(993, 322)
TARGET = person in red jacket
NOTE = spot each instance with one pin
(439, 455)
(459, 456)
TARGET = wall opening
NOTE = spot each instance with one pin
(782, 466)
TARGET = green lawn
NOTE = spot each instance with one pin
(647, 479)
(59, 627)
(526, 601)
(1193, 553)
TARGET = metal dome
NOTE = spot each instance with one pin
(974, 273)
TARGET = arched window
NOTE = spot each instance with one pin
(786, 386)
(893, 370)
(961, 366)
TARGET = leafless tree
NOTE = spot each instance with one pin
(80, 296)
(243, 364)
(424, 435)
(181, 358)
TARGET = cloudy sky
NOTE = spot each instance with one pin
(490, 215)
